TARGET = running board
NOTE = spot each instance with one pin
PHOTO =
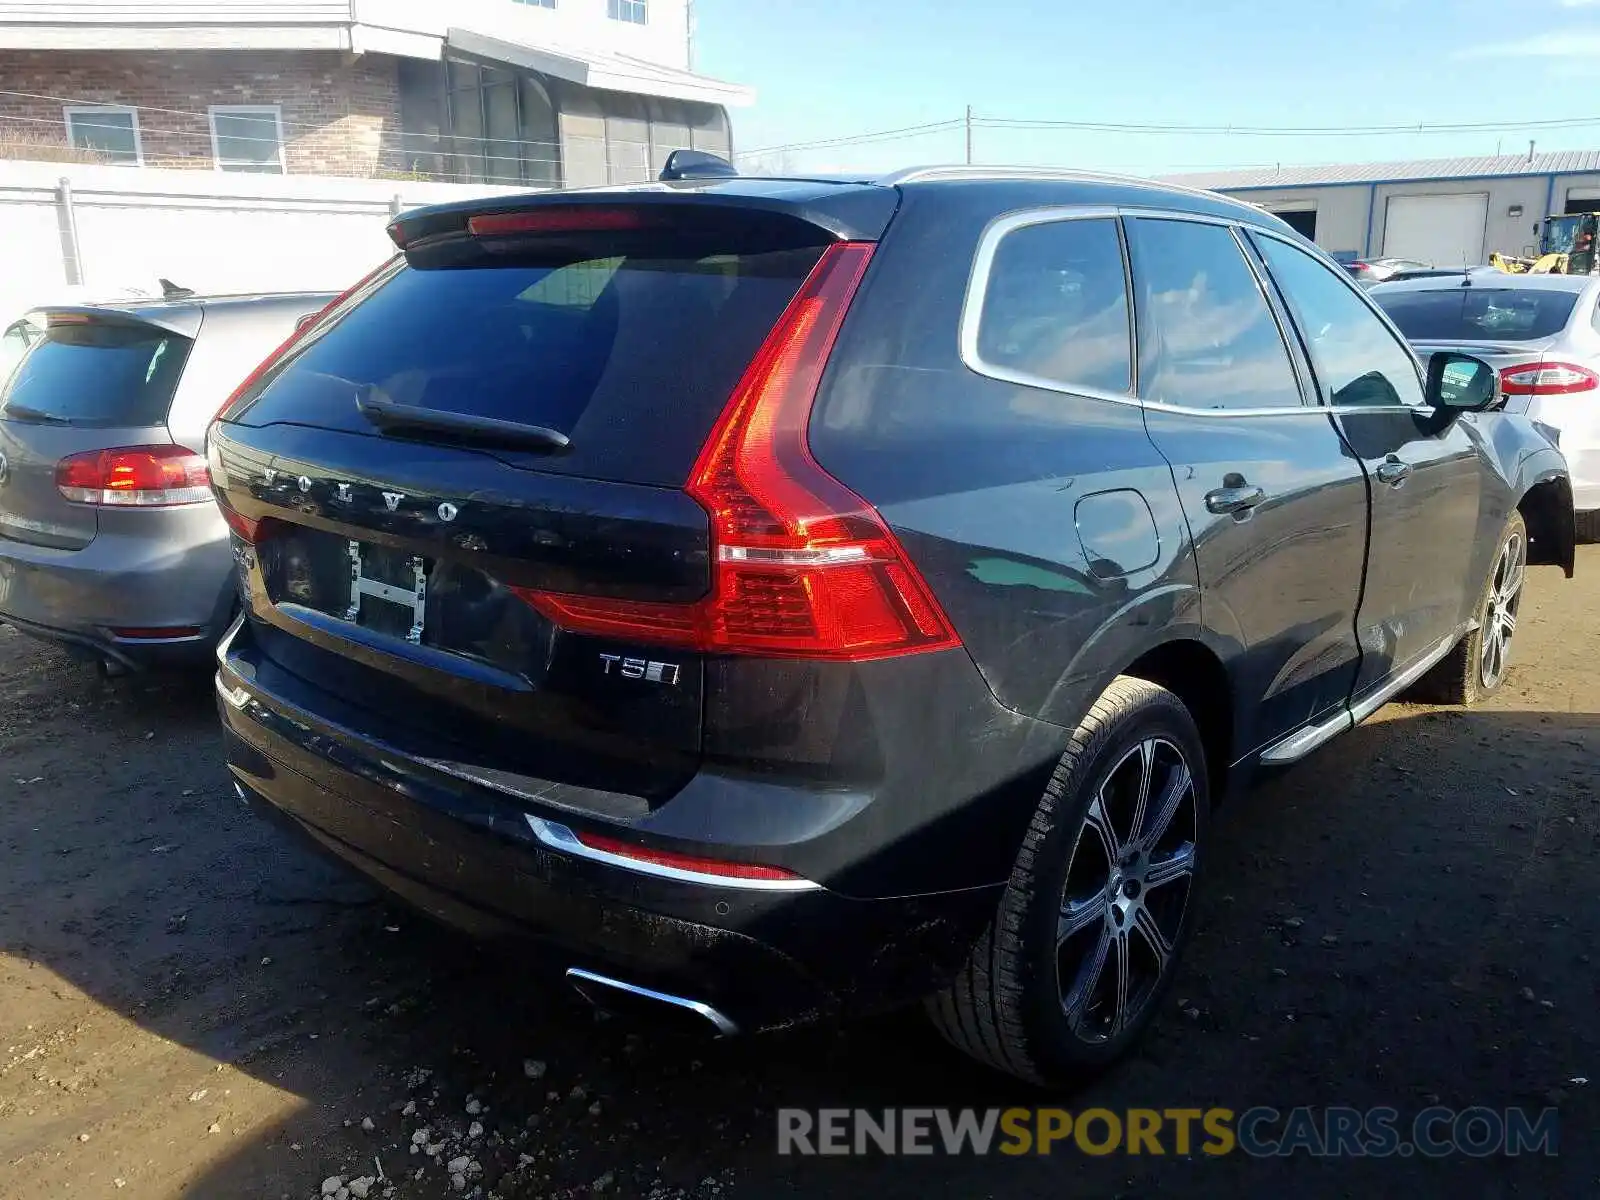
(1303, 741)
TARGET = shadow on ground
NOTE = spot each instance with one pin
(1369, 925)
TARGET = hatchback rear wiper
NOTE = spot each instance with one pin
(31, 416)
(484, 431)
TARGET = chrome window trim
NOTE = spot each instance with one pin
(558, 837)
(978, 287)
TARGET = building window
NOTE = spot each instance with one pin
(635, 12)
(537, 3)
(248, 138)
(109, 130)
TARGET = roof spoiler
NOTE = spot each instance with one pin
(696, 164)
(184, 324)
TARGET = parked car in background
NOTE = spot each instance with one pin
(1370, 271)
(781, 599)
(110, 539)
(1542, 333)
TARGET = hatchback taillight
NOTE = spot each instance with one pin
(801, 566)
(135, 477)
(1548, 379)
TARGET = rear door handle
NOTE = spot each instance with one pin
(1234, 499)
(1394, 472)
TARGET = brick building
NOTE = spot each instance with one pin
(539, 92)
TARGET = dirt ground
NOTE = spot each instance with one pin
(190, 1006)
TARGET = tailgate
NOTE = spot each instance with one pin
(495, 415)
(400, 597)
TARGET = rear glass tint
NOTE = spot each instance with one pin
(1478, 313)
(96, 374)
(632, 357)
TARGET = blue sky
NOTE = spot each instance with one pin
(829, 68)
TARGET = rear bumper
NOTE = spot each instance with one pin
(180, 580)
(485, 862)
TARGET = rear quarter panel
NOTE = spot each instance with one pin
(1047, 524)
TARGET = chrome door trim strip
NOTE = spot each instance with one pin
(1303, 741)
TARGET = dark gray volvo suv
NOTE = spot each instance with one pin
(780, 599)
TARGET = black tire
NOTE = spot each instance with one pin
(1462, 676)
(1008, 1007)
(1588, 525)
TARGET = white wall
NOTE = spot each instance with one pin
(203, 230)
(576, 24)
(1342, 209)
(1503, 232)
(1341, 212)
(87, 12)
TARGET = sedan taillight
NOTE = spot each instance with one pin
(135, 477)
(1548, 379)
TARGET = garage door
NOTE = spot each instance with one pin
(1446, 231)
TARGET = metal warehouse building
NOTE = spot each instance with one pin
(1446, 211)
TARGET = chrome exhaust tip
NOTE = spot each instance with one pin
(612, 994)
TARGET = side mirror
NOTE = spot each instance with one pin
(1459, 383)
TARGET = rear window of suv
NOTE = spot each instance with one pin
(1478, 313)
(632, 357)
(96, 373)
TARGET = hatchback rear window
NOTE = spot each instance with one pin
(1478, 313)
(96, 373)
(632, 357)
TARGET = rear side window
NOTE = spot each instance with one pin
(96, 373)
(1056, 306)
(632, 357)
(1212, 339)
(1478, 313)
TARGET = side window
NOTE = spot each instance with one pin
(1357, 360)
(1056, 306)
(1205, 328)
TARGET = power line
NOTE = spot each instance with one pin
(863, 138)
(1289, 130)
(1129, 127)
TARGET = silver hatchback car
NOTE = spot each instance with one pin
(1543, 334)
(110, 539)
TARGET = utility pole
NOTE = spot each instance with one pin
(969, 135)
(689, 32)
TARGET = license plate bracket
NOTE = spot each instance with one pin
(407, 587)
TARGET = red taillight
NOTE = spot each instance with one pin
(802, 567)
(1548, 379)
(143, 633)
(244, 526)
(556, 220)
(683, 862)
(135, 477)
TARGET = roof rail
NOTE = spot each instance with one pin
(925, 174)
(696, 164)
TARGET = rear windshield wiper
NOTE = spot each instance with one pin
(463, 427)
(31, 416)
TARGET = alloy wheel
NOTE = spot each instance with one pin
(1127, 890)
(1500, 613)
